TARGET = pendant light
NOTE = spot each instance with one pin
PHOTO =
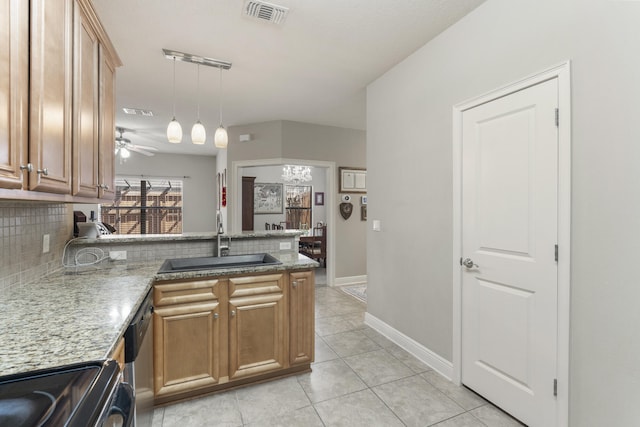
(174, 130)
(221, 138)
(198, 132)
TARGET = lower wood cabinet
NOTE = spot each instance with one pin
(302, 326)
(211, 334)
(257, 316)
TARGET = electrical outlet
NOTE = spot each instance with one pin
(285, 246)
(45, 244)
(117, 255)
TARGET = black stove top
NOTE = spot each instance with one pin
(55, 396)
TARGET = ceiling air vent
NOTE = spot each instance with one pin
(265, 11)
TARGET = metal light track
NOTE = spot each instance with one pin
(196, 59)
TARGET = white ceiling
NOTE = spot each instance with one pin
(314, 68)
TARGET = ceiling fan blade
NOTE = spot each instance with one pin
(145, 147)
(124, 140)
(140, 151)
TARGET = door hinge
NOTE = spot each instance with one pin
(556, 253)
(557, 117)
(555, 386)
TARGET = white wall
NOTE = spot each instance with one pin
(199, 189)
(409, 136)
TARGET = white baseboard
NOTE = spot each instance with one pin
(437, 363)
(350, 280)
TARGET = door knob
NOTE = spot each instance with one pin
(468, 262)
(216, 315)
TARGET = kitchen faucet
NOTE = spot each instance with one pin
(222, 250)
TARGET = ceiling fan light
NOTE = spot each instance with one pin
(174, 132)
(221, 138)
(124, 153)
(198, 133)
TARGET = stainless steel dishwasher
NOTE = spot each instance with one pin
(138, 357)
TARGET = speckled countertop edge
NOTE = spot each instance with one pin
(128, 238)
(78, 315)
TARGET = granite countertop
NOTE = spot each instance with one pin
(205, 235)
(79, 314)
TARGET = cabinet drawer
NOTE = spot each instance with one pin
(185, 292)
(253, 285)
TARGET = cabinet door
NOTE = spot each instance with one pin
(106, 165)
(256, 335)
(14, 91)
(185, 343)
(50, 96)
(85, 106)
(301, 317)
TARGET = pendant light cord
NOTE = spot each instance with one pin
(220, 95)
(174, 87)
(198, 95)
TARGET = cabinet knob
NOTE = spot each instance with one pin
(295, 284)
(28, 167)
(216, 315)
(103, 186)
(44, 171)
(233, 313)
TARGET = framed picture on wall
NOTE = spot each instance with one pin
(352, 180)
(267, 198)
(319, 199)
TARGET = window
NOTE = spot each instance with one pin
(145, 206)
(298, 199)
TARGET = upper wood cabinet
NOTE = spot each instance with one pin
(50, 91)
(57, 122)
(14, 90)
(107, 136)
(85, 106)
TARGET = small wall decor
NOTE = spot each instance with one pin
(353, 180)
(363, 200)
(363, 213)
(267, 198)
(319, 199)
(346, 209)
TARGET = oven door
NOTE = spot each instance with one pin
(120, 411)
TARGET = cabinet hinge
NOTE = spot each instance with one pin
(555, 386)
(557, 117)
(460, 260)
(556, 252)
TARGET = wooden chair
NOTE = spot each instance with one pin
(267, 226)
(315, 246)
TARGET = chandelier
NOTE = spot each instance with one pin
(296, 174)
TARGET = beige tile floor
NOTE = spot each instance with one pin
(359, 378)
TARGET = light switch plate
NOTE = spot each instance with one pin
(285, 246)
(118, 255)
(376, 224)
(45, 244)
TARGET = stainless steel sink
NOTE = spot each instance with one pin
(214, 263)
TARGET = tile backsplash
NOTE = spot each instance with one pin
(22, 227)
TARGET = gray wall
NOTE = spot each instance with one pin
(294, 140)
(409, 134)
(199, 191)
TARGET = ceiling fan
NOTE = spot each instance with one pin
(124, 147)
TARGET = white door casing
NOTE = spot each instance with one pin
(511, 343)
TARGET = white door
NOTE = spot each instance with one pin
(509, 233)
